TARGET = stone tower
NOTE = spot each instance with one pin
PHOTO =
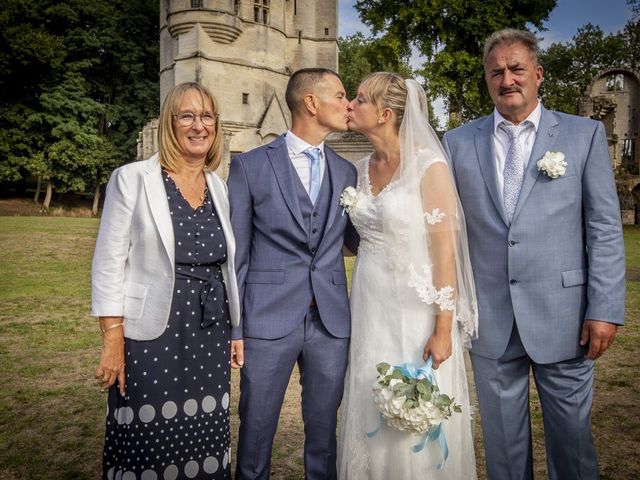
(244, 52)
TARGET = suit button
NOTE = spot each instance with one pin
(512, 243)
(315, 214)
(313, 249)
(315, 230)
(513, 282)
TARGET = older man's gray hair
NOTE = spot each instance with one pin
(509, 36)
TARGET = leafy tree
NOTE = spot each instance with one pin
(77, 82)
(360, 56)
(450, 34)
(631, 38)
(569, 67)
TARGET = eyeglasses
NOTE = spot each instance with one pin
(186, 119)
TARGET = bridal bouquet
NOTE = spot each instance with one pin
(409, 399)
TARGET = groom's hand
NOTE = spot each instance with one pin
(599, 335)
(237, 353)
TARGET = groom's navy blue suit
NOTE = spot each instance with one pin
(558, 262)
(294, 302)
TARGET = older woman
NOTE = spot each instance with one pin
(164, 288)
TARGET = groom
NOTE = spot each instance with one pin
(286, 217)
(547, 253)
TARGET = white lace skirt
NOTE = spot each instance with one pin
(390, 324)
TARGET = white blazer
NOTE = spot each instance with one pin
(133, 264)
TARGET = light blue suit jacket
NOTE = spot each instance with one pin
(561, 260)
(278, 273)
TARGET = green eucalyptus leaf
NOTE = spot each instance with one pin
(383, 368)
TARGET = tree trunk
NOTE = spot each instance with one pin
(96, 201)
(455, 110)
(455, 119)
(36, 197)
(47, 197)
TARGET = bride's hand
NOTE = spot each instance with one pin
(438, 347)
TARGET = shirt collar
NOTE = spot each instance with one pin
(296, 145)
(534, 118)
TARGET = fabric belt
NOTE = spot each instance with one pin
(213, 295)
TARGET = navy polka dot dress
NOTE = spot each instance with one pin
(173, 422)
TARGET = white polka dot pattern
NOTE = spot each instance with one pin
(173, 421)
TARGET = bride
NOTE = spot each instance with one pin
(413, 295)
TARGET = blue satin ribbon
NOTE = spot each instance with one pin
(409, 370)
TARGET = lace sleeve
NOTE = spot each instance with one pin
(444, 276)
(434, 242)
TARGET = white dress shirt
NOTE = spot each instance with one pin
(501, 140)
(296, 147)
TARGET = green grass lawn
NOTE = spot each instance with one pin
(52, 412)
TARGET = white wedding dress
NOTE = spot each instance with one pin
(392, 319)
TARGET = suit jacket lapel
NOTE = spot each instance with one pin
(545, 140)
(157, 200)
(485, 153)
(283, 169)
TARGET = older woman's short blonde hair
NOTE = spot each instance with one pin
(386, 90)
(170, 153)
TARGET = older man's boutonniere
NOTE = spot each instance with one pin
(348, 199)
(553, 164)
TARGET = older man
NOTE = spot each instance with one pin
(548, 258)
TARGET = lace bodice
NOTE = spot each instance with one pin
(366, 213)
(390, 230)
(381, 220)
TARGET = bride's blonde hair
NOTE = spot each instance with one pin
(386, 90)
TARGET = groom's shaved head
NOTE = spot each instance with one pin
(302, 82)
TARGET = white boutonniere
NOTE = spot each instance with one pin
(552, 164)
(348, 199)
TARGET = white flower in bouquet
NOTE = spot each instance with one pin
(410, 402)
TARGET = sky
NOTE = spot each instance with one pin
(564, 21)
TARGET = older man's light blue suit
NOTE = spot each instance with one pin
(289, 256)
(560, 261)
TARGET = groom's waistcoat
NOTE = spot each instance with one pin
(315, 216)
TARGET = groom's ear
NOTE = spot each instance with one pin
(310, 102)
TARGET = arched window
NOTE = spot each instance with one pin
(615, 82)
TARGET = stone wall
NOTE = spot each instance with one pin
(613, 97)
(244, 60)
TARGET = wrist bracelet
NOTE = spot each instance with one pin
(110, 327)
